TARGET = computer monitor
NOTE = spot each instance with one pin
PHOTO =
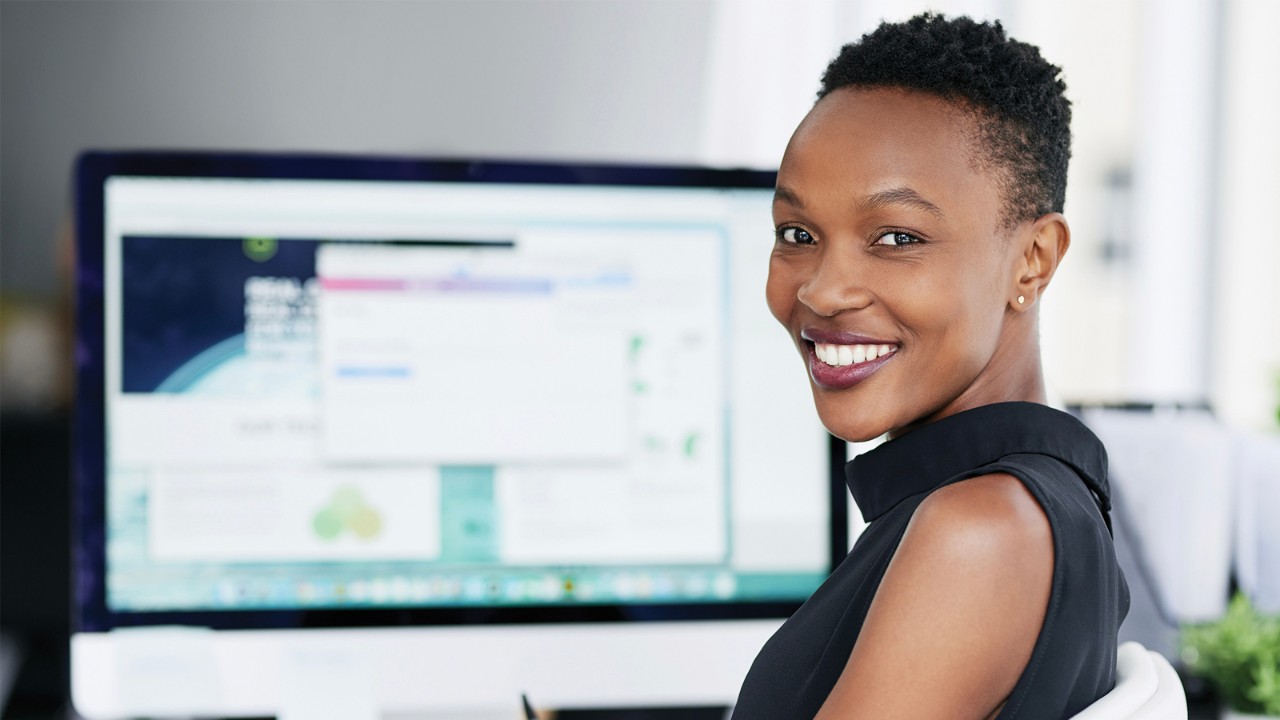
(434, 433)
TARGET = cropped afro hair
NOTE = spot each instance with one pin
(1015, 95)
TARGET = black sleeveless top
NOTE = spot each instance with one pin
(1064, 466)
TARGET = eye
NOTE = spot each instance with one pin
(897, 238)
(795, 236)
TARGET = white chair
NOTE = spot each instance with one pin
(1147, 688)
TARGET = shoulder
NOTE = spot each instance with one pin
(989, 520)
(959, 609)
(982, 547)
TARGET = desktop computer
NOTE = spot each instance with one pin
(420, 435)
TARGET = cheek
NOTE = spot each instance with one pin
(957, 316)
(780, 290)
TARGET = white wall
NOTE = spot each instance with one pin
(1244, 367)
(1084, 319)
(571, 79)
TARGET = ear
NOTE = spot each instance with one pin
(1042, 246)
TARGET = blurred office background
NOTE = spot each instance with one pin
(1169, 296)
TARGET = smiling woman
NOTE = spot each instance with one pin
(881, 203)
(918, 222)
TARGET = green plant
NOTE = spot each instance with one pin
(1239, 655)
(1278, 400)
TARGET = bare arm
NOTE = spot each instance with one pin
(959, 609)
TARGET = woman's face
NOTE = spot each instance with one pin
(890, 247)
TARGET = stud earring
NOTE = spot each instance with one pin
(1021, 299)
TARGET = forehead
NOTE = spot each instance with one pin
(858, 141)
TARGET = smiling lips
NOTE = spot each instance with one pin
(838, 361)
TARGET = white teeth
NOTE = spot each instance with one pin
(839, 355)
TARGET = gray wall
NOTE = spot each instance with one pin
(573, 79)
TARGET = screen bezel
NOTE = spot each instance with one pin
(93, 169)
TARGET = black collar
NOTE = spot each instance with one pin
(931, 454)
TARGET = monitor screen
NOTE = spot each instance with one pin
(343, 384)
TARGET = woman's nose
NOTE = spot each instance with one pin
(838, 283)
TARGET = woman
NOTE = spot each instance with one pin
(918, 216)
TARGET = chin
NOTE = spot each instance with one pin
(840, 422)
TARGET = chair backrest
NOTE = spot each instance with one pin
(1147, 688)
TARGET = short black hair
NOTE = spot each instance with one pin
(1024, 117)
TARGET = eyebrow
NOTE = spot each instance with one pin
(875, 201)
(784, 194)
(900, 196)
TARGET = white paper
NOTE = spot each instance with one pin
(329, 683)
(1257, 519)
(167, 671)
(1172, 471)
